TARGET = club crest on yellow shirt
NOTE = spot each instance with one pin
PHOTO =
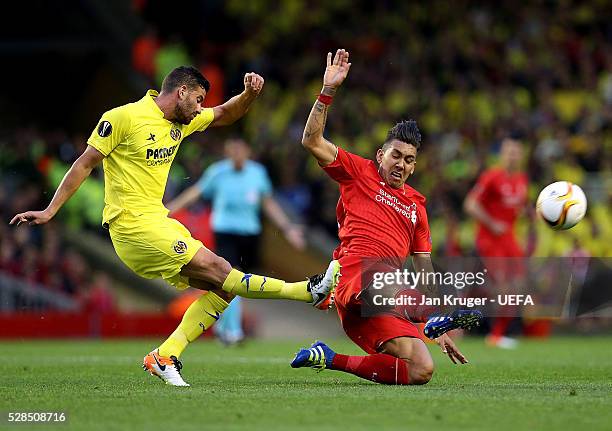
(175, 134)
(179, 246)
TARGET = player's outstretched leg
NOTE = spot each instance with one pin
(379, 367)
(317, 289)
(209, 267)
(440, 324)
(206, 310)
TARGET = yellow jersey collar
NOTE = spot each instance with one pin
(149, 101)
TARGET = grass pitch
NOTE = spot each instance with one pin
(555, 384)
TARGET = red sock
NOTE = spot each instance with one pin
(379, 368)
(416, 313)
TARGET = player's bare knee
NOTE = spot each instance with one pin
(212, 264)
(220, 265)
(420, 371)
(420, 380)
(420, 377)
(208, 267)
(421, 374)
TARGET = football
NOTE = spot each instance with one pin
(561, 205)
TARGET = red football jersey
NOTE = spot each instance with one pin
(502, 195)
(374, 219)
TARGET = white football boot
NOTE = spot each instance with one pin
(322, 286)
(167, 369)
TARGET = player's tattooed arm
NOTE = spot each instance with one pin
(312, 139)
(237, 106)
(316, 121)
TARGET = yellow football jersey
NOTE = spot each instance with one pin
(139, 146)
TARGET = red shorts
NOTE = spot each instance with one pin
(369, 333)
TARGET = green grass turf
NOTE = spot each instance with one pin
(554, 384)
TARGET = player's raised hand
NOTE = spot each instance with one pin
(253, 83)
(448, 346)
(337, 69)
(32, 218)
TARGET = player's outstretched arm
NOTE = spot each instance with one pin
(312, 139)
(237, 106)
(73, 179)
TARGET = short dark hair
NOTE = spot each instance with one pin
(515, 135)
(185, 75)
(406, 131)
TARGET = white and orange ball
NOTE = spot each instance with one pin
(561, 205)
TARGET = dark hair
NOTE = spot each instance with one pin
(185, 75)
(515, 135)
(406, 131)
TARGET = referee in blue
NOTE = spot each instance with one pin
(239, 189)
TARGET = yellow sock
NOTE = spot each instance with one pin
(200, 316)
(259, 286)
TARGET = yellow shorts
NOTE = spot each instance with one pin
(154, 245)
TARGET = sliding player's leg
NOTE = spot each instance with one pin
(415, 356)
(402, 360)
(396, 355)
(415, 306)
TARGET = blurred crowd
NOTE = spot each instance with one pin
(31, 166)
(469, 74)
